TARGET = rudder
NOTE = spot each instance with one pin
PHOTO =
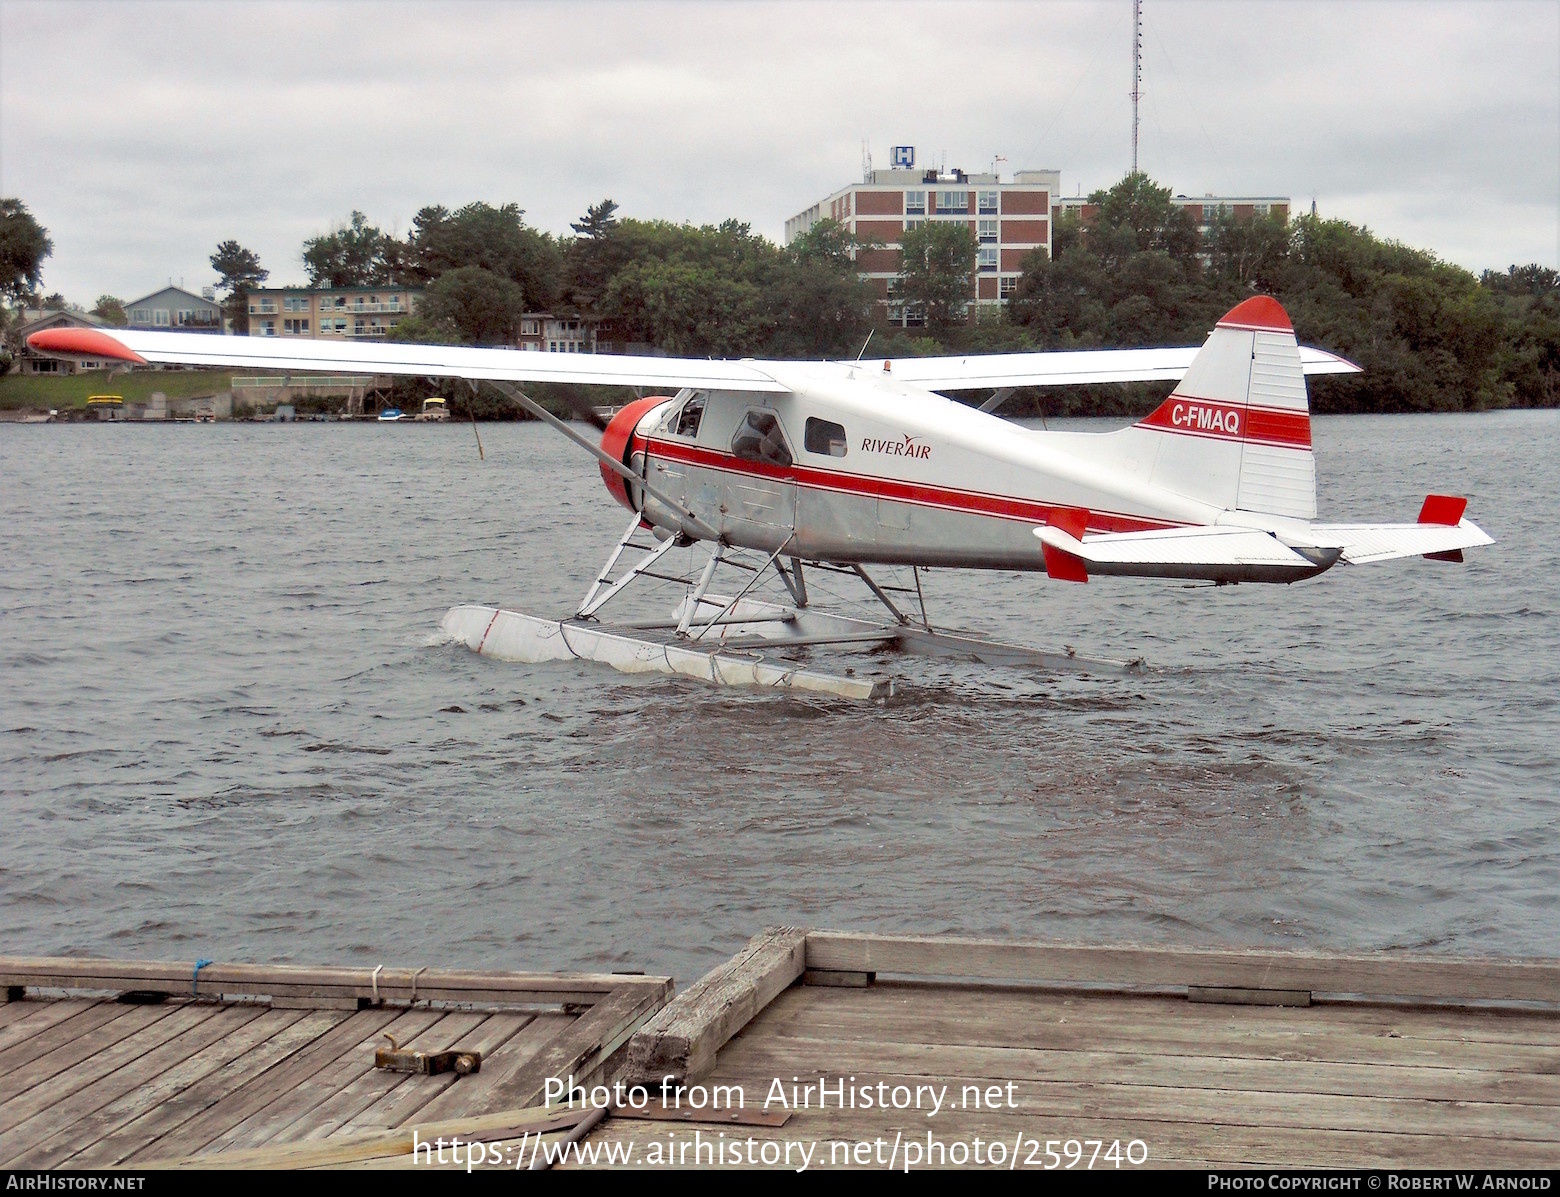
(1236, 431)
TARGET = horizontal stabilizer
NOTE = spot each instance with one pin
(1210, 553)
(1363, 543)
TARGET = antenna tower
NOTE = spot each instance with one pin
(1137, 73)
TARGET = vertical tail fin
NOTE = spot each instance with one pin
(1236, 431)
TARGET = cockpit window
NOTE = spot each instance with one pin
(824, 436)
(686, 422)
(759, 439)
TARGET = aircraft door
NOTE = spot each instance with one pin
(759, 494)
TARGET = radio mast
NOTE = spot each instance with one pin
(1137, 74)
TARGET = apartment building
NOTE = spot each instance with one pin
(545, 332)
(329, 313)
(1206, 209)
(1010, 220)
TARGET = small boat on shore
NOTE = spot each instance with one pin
(390, 415)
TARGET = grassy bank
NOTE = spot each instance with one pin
(38, 391)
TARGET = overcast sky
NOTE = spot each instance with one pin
(143, 134)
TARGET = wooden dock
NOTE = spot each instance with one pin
(107, 1063)
(1189, 1058)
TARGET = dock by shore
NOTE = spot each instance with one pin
(825, 1047)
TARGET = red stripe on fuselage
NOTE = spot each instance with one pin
(1005, 507)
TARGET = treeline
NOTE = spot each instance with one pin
(1430, 335)
(1136, 271)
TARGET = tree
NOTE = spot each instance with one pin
(24, 244)
(354, 255)
(239, 272)
(937, 271)
(496, 240)
(598, 222)
(476, 305)
(111, 311)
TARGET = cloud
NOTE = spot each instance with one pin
(141, 135)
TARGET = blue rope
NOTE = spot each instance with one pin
(195, 976)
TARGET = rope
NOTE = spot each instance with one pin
(195, 976)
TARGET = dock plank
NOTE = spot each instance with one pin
(192, 1136)
(1419, 1022)
(250, 1027)
(58, 1119)
(1143, 1105)
(1386, 973)
(146, 1133)
(408, 1101)
(483, 1089)
(36, 1016)
(1174, 1028)
(371, 1084)
(76, 1023)
(1220, 1145)
(273, 1122)
(81, 1058)
(1213, 1071)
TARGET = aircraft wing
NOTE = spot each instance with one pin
(1071, 367)
(304, 355)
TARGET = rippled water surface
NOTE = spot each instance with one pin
(228, 727)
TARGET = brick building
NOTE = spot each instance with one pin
(1009, 219)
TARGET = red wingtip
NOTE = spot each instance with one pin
(1261, 312)
(1443, 509)
(83, 342)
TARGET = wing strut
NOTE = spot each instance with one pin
(692, 524)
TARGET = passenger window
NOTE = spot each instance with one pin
(687, 422)
(760, 439)
(824, 436)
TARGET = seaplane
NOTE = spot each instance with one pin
(795, 471)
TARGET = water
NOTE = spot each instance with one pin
(229, 730)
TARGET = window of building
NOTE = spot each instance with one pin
(759, 439)
(160, 317)
(46, 365)
(986, 201)
(824, 436)
(1007, 286)
(915, 203)
(988, 257)
(530, 328)
(296, 328)
(915, 315)
(953, 201)
(268, 328)
(988, 230)
(144, 315)
(913, 224)
(1262, 209)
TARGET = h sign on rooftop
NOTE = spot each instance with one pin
(904, 157)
